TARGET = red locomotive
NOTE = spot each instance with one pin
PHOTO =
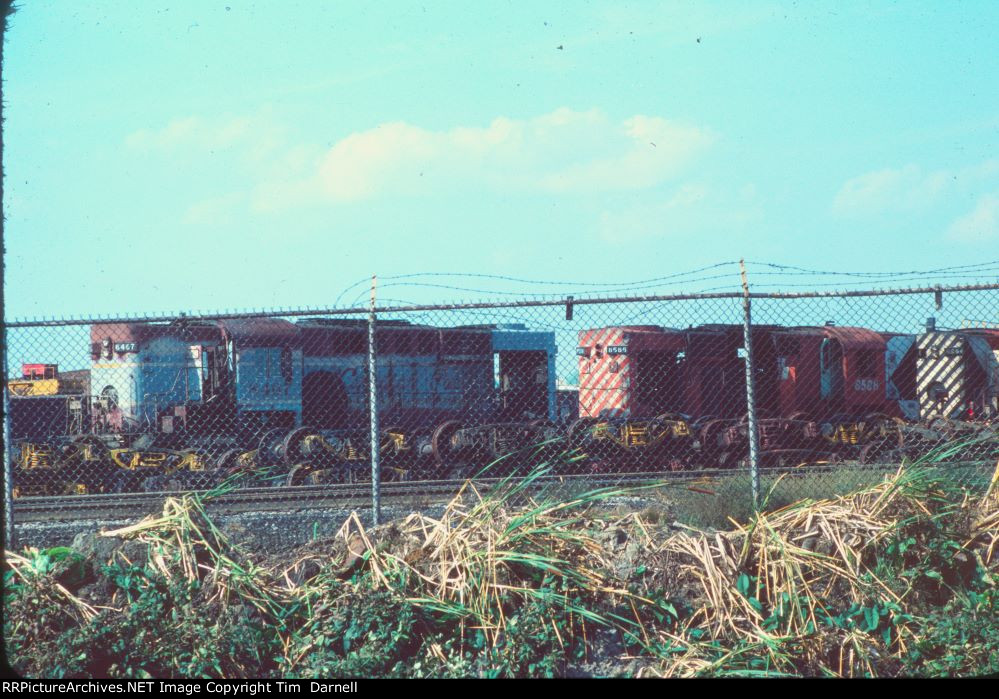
(822, 393)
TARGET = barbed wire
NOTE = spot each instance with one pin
(800, 271)
(521, 294)
(608, 287)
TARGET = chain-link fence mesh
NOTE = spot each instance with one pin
(597, 391)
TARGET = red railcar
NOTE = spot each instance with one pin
(830, 371)
(817, 389)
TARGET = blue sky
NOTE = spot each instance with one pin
(203, 155)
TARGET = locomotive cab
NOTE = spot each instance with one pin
(522, 377)
(852, 372)
(524, 367)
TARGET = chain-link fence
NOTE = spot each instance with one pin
(829, 388)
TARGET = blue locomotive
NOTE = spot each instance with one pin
(223, 394)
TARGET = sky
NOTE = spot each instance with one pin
(184, 156)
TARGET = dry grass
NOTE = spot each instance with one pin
(483, 558)
(767, 585)
(802, 589)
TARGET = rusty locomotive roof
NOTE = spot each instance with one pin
(247, 332)
(854, 338)
(850, 337)
(140, 333)
(262, 332)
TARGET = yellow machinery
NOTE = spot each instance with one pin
(45, 380)
(36, 380)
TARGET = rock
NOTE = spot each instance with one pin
(97, 550)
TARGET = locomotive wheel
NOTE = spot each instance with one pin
(268, 447)
(226, 461)
(661, 420)
(207, 477)
(794, 429)
(298, 474)
(440, 442)
(206, 455)
(709, 433)
(876, 418)
(291, 447)
(794, 421)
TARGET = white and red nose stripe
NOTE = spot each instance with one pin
(600, 389)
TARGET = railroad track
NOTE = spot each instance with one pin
(115, 506)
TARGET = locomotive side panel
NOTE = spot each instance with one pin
(655, 371)
(798, 372)
(405, 373)
(269, 385)
(334, 384)
(423, 374)
(465, 375)
(334, 392)
(983, 386)
(39, 418)
(714, 374)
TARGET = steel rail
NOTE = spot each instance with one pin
(358, 495)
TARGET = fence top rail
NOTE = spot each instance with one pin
(552, 302)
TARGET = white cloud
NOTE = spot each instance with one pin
(253, 137)
(981, 223)
(564, 151)
(906, 189)
(178, 132)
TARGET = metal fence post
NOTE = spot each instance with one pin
(754, 439)
(9, 540)
(373, 408)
